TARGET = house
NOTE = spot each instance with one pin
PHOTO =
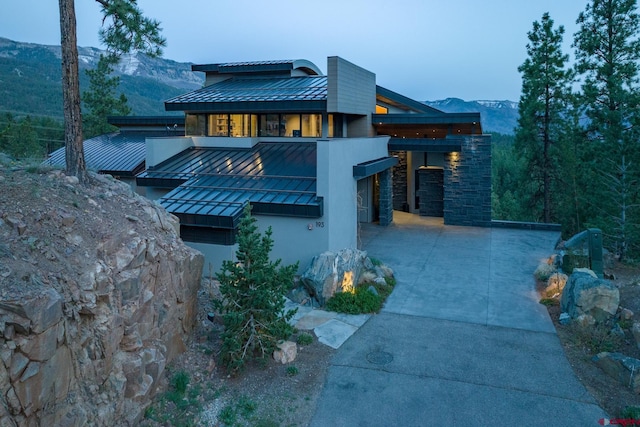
(314, 155)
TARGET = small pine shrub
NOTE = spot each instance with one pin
(253, 297)
(292, 371)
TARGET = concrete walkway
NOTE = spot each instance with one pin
(461, 341)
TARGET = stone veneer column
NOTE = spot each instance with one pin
(400, 182)
(467, 183)
(386, 197)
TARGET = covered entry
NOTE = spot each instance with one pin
(375, 192)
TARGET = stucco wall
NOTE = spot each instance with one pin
(336, 184)
(160, 149)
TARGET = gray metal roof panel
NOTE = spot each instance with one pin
(312, 88)
(117, 153)
(280, 177)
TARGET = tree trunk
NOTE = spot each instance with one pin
(74, 152)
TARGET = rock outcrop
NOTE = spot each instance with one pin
(98, 295)
(585, 294)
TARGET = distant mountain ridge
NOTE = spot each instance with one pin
(496, 116)
(30, 83)
(30, 79)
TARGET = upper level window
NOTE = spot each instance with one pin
(218, 125)
(252, 125)
(195, 125)
(381, 110)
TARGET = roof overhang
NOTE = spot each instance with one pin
(372, 167)
(446, 145)
(426, 119)
(259, 67)
(400, 101)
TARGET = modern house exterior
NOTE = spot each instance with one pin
(313, 154)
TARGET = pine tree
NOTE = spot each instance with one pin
(545, 87)
(100, 101)
(607, 58)
(252, 305)
(127, 30)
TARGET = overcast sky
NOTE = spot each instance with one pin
(424, 49)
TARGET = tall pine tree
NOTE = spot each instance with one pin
(607, 58)
(100, 100)
(126, 30)
(545, 88)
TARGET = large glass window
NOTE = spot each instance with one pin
(312, 125)
(218, 125)
(291, 123)
(269, 125)
(195, 125)
(243, 125)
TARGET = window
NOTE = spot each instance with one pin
(381, 110)
(218, 125)
(291, 125)
(269, 125)
(312, 125)
(195, 125)
(243, 125)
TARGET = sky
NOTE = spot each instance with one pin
(423, 49)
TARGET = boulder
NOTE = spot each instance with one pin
(286, 353)
(585, 294)
(625, 370)
(555, 284)
(333, 272)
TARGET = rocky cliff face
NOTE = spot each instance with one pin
(97, 295)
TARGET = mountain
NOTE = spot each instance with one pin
(496, 116)
(30, 79)
(30, 84)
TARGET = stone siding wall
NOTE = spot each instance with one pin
(467, 189)
(400, 182)
(431, 192)
(386, 197)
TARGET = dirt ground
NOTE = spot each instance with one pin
(262, 395)
(580, 347)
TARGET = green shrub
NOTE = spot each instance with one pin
(544, 271)
(304, 338)
(360, 301)
(253, 292)
(292, 371)
(596, 338)
(180, 381)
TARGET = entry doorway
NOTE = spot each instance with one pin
(368, 199)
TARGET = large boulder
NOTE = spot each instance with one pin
(332, 272)
(589, 295)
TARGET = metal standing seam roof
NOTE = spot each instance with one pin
(276, 178)
(118, 153)
(312, 88)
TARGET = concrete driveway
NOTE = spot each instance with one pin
(461, 341)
